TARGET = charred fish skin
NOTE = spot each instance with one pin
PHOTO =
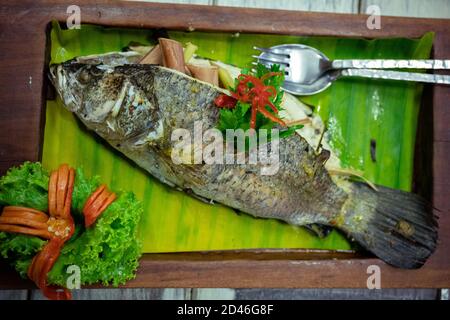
(136, 108)
(300, 193)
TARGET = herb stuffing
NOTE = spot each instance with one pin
(255, 102)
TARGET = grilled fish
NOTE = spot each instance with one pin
(135, 108)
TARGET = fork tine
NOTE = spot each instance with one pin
(273, 51)
(273, 60)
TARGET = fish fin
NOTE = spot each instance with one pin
(397, 226)
(320, 230)
(198, 197)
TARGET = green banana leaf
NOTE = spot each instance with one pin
(357, 113)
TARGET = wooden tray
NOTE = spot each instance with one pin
(23, 83)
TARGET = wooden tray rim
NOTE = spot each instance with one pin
(240, 268)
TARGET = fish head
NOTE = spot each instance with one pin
(108, 99)
(90, 91)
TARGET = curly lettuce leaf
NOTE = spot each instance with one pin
(19, 250)
(23, 186)
(107, 252)
(26, 186)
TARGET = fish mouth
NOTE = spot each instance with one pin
(60, 81)
(52, 74)
(57, 77)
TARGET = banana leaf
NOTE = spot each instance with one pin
(357, 112)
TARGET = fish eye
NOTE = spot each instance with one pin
(84, 76)
(95, 71)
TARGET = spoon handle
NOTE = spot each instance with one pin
(391, 64)
(397, 75)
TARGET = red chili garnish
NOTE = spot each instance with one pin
(252, 90)
(225, 101)
(61, 226)
(42, 264)
(96, 204)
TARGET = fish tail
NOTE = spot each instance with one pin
(399, 227)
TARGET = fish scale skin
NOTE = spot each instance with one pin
(301, 192)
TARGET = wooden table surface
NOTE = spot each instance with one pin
(414, 8)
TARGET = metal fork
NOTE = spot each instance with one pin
(309, 71)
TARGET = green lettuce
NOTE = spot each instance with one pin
(19, 250)
(25, 186)
(108, 252)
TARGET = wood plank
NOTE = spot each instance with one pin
(177, 294)
(108, 294)
(197, 2)
(336, 6)
(23, 106)
(336, 294)
(244, 270)
(410, 8)
(441, 93)
(444, 294)
(9, 279)
(13, 294)
(213, 294)
(239, 294)
(251, 20)
(283, 274)
(117, 294)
